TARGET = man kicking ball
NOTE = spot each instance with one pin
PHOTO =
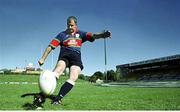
(70, 41)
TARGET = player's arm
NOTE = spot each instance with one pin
(53, 44)
(45, 54)
(103, 34)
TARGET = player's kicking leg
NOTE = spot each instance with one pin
(59, 69)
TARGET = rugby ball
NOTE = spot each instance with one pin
(47, 82)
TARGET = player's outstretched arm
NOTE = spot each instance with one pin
(45, 54)
(103, 34)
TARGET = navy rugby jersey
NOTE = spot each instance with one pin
(71, 41)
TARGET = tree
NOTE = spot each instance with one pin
(96, 75)
(7, 71)
(92, 78)
(99, 75)
(112, 75)
(81, 76)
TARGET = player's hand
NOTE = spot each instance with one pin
(41, 62)
(106, 34)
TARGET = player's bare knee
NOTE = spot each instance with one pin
(74, 72)
(60, 67)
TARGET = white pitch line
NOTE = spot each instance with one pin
(18, 83)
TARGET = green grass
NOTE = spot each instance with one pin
(88, 96)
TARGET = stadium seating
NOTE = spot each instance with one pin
(159, 77)
(158, 69)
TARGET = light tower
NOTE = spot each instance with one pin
(105, 59)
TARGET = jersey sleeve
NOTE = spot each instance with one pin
(56, 41)
(87, 36)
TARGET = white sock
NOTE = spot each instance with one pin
(56, 74)
(71, 82)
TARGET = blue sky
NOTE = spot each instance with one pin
(141, 30)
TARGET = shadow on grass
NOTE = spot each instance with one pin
(29, 106)
(38, 101)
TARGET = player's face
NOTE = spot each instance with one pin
(71, 26)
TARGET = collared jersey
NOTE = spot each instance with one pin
(72, 41)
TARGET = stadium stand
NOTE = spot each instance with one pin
(158, 69)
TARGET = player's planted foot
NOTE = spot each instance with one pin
(56, 101)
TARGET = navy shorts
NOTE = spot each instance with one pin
(70, 58)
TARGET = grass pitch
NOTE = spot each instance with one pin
(88, 96)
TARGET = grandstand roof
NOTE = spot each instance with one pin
(156, 60)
